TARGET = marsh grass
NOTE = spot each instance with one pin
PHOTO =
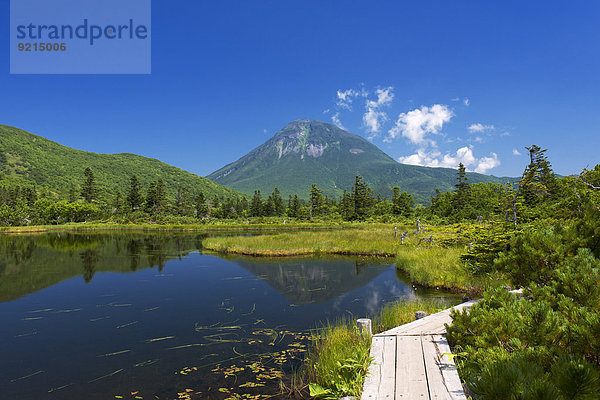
(375, 241)
(337, 361)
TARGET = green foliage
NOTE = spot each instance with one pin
(484, 245)
(545, 345)
(50, 212)
(402, 202)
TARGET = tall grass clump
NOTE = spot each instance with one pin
(337, 361)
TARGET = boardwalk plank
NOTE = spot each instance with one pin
(448, 368)
(373, 379)
(435, 379)
(408, 361)
(411, 382)
(388, 369)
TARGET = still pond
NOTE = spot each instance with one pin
(132, 315)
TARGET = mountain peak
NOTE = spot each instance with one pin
(308, 151)
(314, 130)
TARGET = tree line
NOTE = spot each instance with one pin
(24, 205)
(537, 191)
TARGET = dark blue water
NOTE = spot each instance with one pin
(99, 316)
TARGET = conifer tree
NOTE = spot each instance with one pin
(150, 201)
(317, 201)
(134, 197)
(294, 206)
(201, 206)
(277, 201)
(402, 202)
(363, 198)
(89, 192)
(537, 182)
(462, 187)
(347, 206)
(256, 205)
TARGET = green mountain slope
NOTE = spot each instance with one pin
(307, 152)
(33, 160)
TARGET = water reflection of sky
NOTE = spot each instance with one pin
(63, 338)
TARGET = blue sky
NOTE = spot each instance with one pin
(431, 83)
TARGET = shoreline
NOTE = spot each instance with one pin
(82, 227)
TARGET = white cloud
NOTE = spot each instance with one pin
(455, 99)
(463, 155)
(336, 120)
(480, 128)
(374, 118)
(466, 101)
(345, 97)
(505, 134)
(384, 97)
(486, 163)
(516, 152)
(416, 124)
(478, 139)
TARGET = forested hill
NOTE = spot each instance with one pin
(306, 152)
(32, 160)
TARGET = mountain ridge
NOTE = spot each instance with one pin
(306, 152)
(29, 159)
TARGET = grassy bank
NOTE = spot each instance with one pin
(373, 240)
(338, 358)
(429, 266)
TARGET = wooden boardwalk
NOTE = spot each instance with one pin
(411, 362)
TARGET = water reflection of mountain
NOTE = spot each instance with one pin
(311, 279)
(33, 262)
